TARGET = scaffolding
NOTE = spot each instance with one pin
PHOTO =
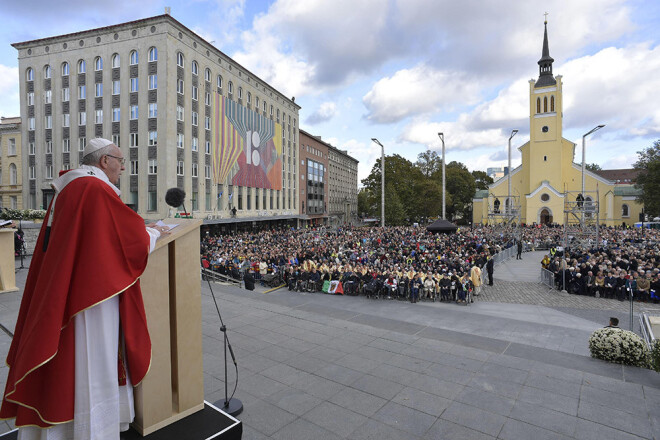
(581, 214)
(506, 216)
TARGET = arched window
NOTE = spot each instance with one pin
(98, 63)
(624, 210)
(153, 54)
(82, 66)
(249, 98)
(219, 81)
(195, 68)
(271, 109)
(179, 59)
(133, 57)
(29, 74)
(207, 74)
(240, 93)
(538, 105)
(496, 206)
(256, 102)
(48, 72)
(552, 103)
(65, 69)
(13, 174)
(545, 104)
(230, 88)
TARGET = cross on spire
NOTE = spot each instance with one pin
(546, 18)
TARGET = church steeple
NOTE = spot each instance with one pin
(545, 63)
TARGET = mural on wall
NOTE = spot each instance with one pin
(247, 140)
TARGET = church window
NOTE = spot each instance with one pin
(545, 158)
(545, 104)
(538, 105)
(552, 103)
(496, 206)
(545, 197)
(624, 211)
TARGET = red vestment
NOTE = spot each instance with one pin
(97, 248)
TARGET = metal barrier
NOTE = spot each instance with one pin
(647, 331)
(498, 258)
(548, 278)
(215, 276)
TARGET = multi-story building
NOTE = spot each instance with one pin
(343, 186)
(314, 179)
(184, 114)
(11, 170)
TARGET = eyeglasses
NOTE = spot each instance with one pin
(122, 160)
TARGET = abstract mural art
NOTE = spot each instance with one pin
(248, 141)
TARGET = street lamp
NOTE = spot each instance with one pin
(584, 150)
(513, 133)
(382, 182)
(444, 211)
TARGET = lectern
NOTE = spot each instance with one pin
(7, 264)
(174, 386)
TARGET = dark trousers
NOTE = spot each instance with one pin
(490, 278)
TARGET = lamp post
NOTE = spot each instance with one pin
(584, 150)
(382, 182)
(444, 210)
(513, 133)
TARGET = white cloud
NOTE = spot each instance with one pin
(324, 113)
(9, 105)
(419, 90)
(457, 135)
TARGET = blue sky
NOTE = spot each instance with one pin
(403, 70)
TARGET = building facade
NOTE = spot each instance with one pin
(549, 182)
(343, 187)
(314, 179)
(11, 169)
(184, 114)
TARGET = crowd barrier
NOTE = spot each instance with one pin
(548, 278)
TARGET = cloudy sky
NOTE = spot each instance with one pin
(404, 70)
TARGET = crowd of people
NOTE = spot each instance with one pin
(625, 265)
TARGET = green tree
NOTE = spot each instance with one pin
(481, 179)
(593, 167)
(461, 186)
(648, 179)
(366, 203)
(395, 214)
(429, 162)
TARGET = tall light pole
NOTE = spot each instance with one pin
(444, 210)
(382, 182)
(584, 150)
(513, 133)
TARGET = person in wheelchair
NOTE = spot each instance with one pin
(303, 281)
(314, 283)
(390, 286)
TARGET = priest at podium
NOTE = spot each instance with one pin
(81, 340)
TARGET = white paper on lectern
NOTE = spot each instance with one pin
(169, 226)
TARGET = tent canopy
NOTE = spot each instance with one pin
(443, 226)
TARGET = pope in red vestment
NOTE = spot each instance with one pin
(92, 248)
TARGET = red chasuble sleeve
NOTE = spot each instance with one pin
(98, 247)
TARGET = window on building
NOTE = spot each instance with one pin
(48, 71)
(545, 104)
(152, 201)
(32, 173)
(180, 140)
(179, 168)
(11, 150)
(29, 74)
(153, 54)
(240, 93)
(49, 147)
(194, 93)
(49, 172)
(134, 168)
(48, 123)
(30, 98)
(179, 86)
(219, 81)
(207, 122)
(115, 61)
(179, 113)
(65, 94)
(66, 145)
(116, 140)
(271, 110)
(207, 147)
(153, 138)
(538, 105)
(31, 149)
(230, 87)
(240, 197)
(207, 171)
(265, 106)
(66, 120)
(195, 203)
(48, 97)
(153, 82)
(179, 59)
(98, 63)
(30, 123)
(195, 168)
(65, 69)
(82, 92)
(13, 174)
(134, 112)
(133, 140)
(153, 166)
(115, 87)
(81, 143)
(194, 145)
(116, 114)
(98, 117)
(98, 87)
(249, 98)
(195, 68)
(552, 103)
(82, 118)
(207, 99)
(624, 211)
(133, 57)
(207, 74)
(134, 84)
(194, 118)
(153, 109)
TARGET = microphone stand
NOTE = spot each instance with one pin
(232, 405)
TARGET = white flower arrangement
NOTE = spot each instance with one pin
(619, 346)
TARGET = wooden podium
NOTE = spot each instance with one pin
(7, 262)
(171, 287)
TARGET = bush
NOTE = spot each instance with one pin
(25, 214)
(655, 355)
(619, 346)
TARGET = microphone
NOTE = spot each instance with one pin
(175, 197)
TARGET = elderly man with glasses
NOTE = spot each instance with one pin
(81, 340)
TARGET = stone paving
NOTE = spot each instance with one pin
(316, 366)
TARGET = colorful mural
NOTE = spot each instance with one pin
(244, 139)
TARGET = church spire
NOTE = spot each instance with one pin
(545, 63)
